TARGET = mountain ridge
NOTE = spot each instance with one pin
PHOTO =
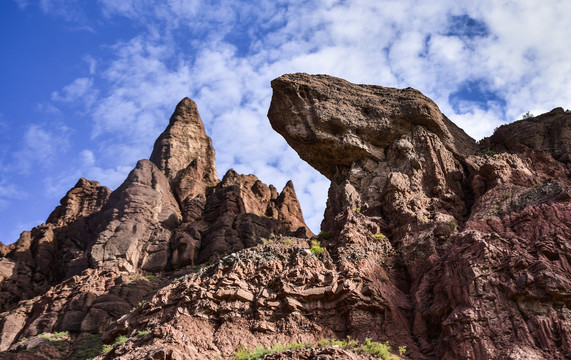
(454, 249)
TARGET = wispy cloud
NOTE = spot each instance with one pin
(41, 146)
(223, 54)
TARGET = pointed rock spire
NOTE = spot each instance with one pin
(184, 152)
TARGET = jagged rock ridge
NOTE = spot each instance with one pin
(171, 212)
(431, 243)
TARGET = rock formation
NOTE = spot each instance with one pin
(454, 249)
(171, 212)
(466, 231)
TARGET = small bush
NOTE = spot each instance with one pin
(324, 235)
(143, 333)
(288, 242)
(118, 341)
(528, 115)
(382, 350)
(488, 152)
(380, 236)
(89, 346)
(151, 277)
(55, 336)
(357, 210)
(260, 351)
(316, 250)
(505, 197)
(452, 225)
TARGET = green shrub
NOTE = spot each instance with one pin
(374, 348)
(488, 152)
(118, 341)
(505, 197)
(89, 346)
(452, 225)
(380, 236)
(142, 333)
(316, 248)
(323, 235)
(260, 351)
(288, 242)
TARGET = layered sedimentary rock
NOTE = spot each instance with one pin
(171, 212)
(468, 232)
(454, 249)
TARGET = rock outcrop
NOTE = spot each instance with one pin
(53, 251)
(466, 230)
(170, 213)
(430, 241)
(184, 153)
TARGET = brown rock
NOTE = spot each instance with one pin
(185, 154)
(332, 123)
(137, 222)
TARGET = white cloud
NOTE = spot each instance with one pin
(224, 54)
(81, 89)
(41, 146)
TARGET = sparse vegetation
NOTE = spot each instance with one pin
(288, 242)
(55, 336)
(489, 152)
(505, 197)
(151, 277)
(316, 248)
(323, 235)
(374, 348)
(143, 333)
(357, 210)
(535, 186)
(260, 351)
(380, 236)
(452, 225)
(118, 341)
(89, 346)
(528, 115)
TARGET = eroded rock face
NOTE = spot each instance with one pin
(137, 222)
(332, 123)
(185, 154)
(430, 243)
(53, 251)
(170, 213)
(455, 220)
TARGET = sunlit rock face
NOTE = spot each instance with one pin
(453, 249)
(465, 233)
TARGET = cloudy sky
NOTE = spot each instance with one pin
(87, 86)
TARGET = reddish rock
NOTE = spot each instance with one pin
(455, 220)
(429, 243)
(185, 154)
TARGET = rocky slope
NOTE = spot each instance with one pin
(171, 212)
(453, 249)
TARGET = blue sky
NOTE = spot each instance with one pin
(87, 86)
